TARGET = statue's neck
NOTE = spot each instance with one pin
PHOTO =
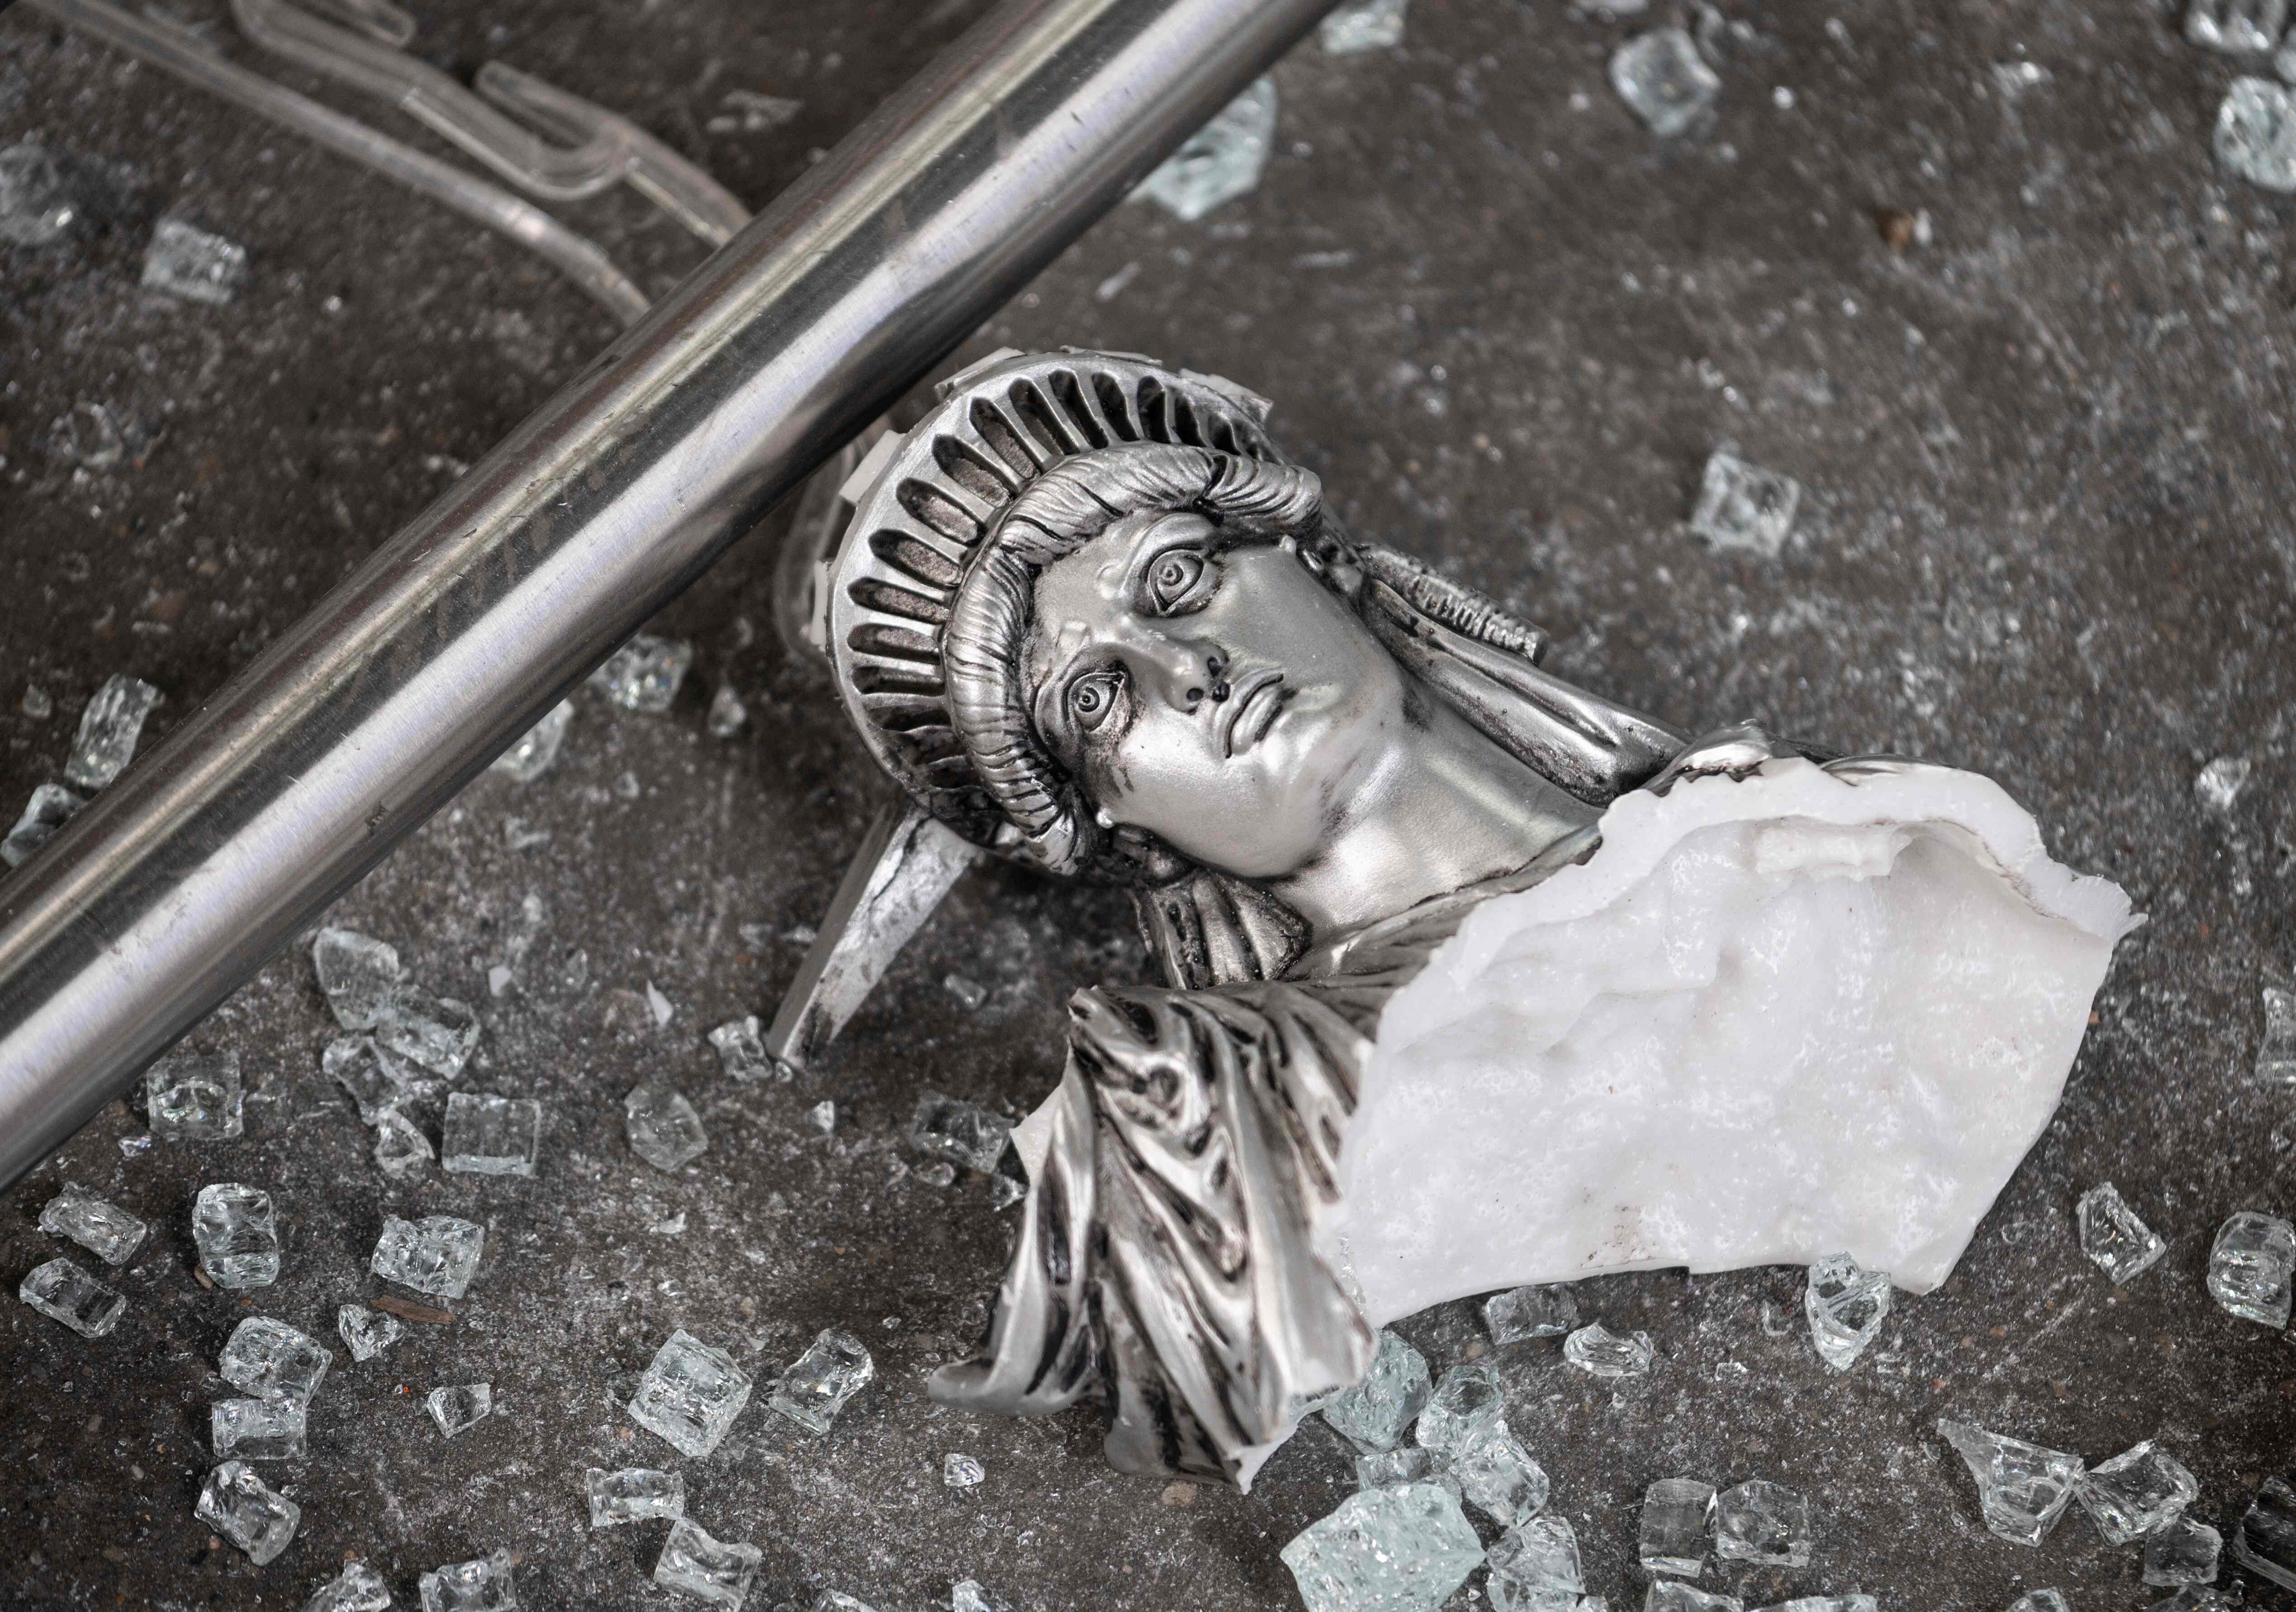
(1440, 808)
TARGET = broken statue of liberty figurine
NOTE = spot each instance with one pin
(1472, 978)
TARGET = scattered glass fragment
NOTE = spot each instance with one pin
(242, 1506)
(1675, 1513)
(726, 712)
(963, 1132)
(2220, 781)
(814, 1389)
(367, 1333)
(1362, 25)
(1845, 1306)
(1743, 506)
(2137, 1493)
(2237, 27)
(962, 1472)
(2276, 1053)
(706, 1568)
(1535, 1568)
(2194, 1598)
(937, 1173)
(133, 1146)
(357, 1588)
(969, 993)
(190, 1098)
(434, 1032)
(61, 1291)
(1663, 81)
(373, 1080)
(643, 673)
(1528, 1313)
(2040, 1600)
(108, 731)
(2265, 1542)
(491, 1135)
(437, 1254)
(2250, 1266)
(632, 1494)
(400, 1149)
(1404, 1464)
(1593, 1348)
(1465, 1404)
(2256, 133)
(1221, 161)
(271, 1360)
(1764, 1523)
(1003, 1192)
(34, 206)
(2021, 1488)
(91, 436)
(461, 1407)
(753, 113)
(483, 1585)
(103, 1229)
(663, 1128)
(1405, 1548)
(1672, 1595)
(237, 1235)
(689, 1394)
(538, 752)
(2182, 1551)
(2120, 1244)
(1497, 1475)
(837, 1600)
(258, 1430)
(967, 1595)
(742, 1050)
(658, 1005)
(1825, 1603)
(357, 974)
(822, 1116)
(51, 807)
(35, 703)
(193, 265)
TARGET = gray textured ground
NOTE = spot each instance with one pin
(2048, 535)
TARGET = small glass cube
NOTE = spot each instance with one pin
(706, 1568)
(357, 1588)
(490, 1135)
(1672, 1595)
(1527, 1313)
(2117, 1243)
(726, 712)
(2137, 1493)
(963, 1133)
(271, 1360)
(2250, 1267)
(644, 674)
(1362, 25)
(742, 1051)
(2021, 1488)
(2040, 1600)
(1675, 1524)
(358, 974)
(437, 1255)
(1379, 1409)
(1663, 81)
(663, 1128)
(1409, 1546)
(2275, 1050)
(2256, 132)
(2182, 1553)
(61, 1291)
(103, 1229)
(2265, 1542)
(632, 1494)
(962, 1472)
(538, 752)
(237, 1235)
(435, 1033)
(1535, 1566)
(108, 729)
(1465, 1404)
(258, 1430)
(51, 806)
(190, 1098)
(1220, 161)
(193, 265)
(483, 1585)
(837, 1600)
(401, 1150)
(967, 1595)
(689, 1394)
(461, 1407)
(1597, 1350)
(1764, 1523)
(367, 1333)
(243, 1508)
(817, 1387)
(1497, 1477)
(1845, 1306)
(1743, 506)
(372, 1079)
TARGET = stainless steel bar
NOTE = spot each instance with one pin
(278, 793)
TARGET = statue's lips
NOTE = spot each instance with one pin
(1252, 710)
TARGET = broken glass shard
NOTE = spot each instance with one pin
(188, 1097)
(437, 1255)
(242, 1506)
(491, 1135)
(963, 1132)
(2040, 1600)
(1594, 1349)
(2220, 782)
(726, 712)
(1221, 161)
(2256, 133)
(827, 1375)
(1764, 1523)
(937, 1173)
(400, 1149)
(373, 1080)
(1535, 1568)
(61, 1291)
(103, 1229)
(2182, 1553)
(1743, 506)
(968, 1595)
(1825, 1603)
(237, 1235)
(538, 752)
(2137, 1493)
(461, 1407)
(2021, 1488)
(2237, 27)
(2250, 1267)
(822, 1116)
(837, 1600)
(1003, 1192)
(2265, 1542)
(1404, 1464)
(962, 1472)
(1675, 1513)
(367, 1333)
(258, 1430)
(664, 1129)
(434, 1032)
(357, 974)
(1463, 1406)
(706, 1568)
(108, 731)
(1663, 81)
(1497, 1475)
(483, 1585)
(643, 673)
(2276, 1053)
(193, 265)
(742, 1050)
(1528, 1313)
(1672, 1595)
(357, 1588)
(2117, 1243)
(1362, 25)
(51, 807)
(1396, 1550)
(689, 1394)
(35, 207)
(271, 1360)
(632, 1494)
(1845, 1306)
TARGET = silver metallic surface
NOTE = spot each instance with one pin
(466, 628)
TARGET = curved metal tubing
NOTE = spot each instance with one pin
(173, 51)
(277, 794)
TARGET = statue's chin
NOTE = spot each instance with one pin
(1771, 1019)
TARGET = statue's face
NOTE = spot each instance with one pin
(1217, 695)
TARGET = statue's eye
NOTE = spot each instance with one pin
(1093, 696)
(1173, 575)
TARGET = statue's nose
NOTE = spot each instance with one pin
(1214, 681)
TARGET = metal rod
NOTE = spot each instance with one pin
(271, 800)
